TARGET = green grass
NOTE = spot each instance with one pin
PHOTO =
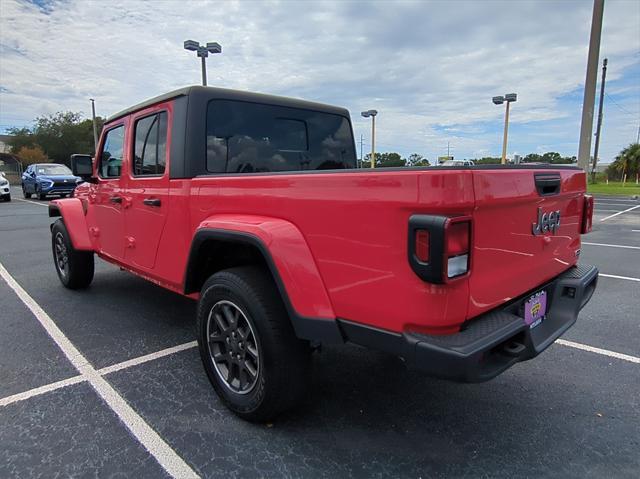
(614, 188)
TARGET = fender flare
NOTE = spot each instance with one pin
(72, 213)
(290, 262)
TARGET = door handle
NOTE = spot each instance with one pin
(152, 201)
(116, 199)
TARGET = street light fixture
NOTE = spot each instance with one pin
(499, 100)
(203, 53)
(372, 114)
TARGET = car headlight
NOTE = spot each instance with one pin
(4, 183)
(46, 183)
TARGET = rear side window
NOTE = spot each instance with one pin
(150, 145)
(247, 137)
(111, 156)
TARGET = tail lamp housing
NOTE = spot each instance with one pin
(440, 247)
(587, 215)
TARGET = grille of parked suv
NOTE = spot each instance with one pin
(63, 183)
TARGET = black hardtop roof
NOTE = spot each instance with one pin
(210, 93)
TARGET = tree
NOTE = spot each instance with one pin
(416, 159)
(488, 160)
(32, 154)
(59, 135)
(532, 158)
(628, 161)
(384, 160)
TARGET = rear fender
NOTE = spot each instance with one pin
(72, 214)
(291, 264)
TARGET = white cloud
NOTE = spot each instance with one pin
(430, 68)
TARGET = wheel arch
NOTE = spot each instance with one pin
(216, 246)
(72, 213)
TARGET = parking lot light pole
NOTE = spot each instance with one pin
(372, 114)
(95, 127)
(203, 53)
(499, 100)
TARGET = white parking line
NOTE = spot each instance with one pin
(604, 352)
(150, 439)
(41, 390)
(619, 277)
(612, 245)
(620, 212)
(148, 357)
(32, 202)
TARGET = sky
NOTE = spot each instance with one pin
(430, 68)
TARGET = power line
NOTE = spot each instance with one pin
(619, 105)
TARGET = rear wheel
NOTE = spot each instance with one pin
(75, 268)
(256, 364)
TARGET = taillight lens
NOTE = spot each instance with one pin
(458, 239)
(422, 245)
(587, 215)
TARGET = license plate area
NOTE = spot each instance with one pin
(535, 309)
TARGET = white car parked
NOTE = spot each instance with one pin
(5, 191)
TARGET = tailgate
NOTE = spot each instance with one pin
(511, 255)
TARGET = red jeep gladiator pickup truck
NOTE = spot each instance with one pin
(253, 205)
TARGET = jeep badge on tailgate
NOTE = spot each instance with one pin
(546, 222)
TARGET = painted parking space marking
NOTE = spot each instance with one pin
(615, 276)
(41, 390)
(103, 372)
(612, 245)
(147, 358)
(32, 202)
(620, 212)
(603, 352)
(168, 459)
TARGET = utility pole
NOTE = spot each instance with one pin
(95, 127)
(586, 128)
(448, 152)
(361, 146)
(597, 147)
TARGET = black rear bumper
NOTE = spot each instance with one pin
(493, 342)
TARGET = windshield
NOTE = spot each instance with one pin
(53, 170)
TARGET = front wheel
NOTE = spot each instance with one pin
(256, 364)
(25, 194)
(75, 268)
(6, 197)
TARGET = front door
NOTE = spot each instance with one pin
(109, 200)
(147, 186)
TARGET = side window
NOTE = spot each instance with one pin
(150, 145)
(111, 156)
(247, 137)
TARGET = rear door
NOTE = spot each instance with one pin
(109, 199)
(526, 231)
(147, 190)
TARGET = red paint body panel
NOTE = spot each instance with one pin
(339, 240)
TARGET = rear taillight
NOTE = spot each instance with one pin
(458, 237)
(587, 215)
(439, 247)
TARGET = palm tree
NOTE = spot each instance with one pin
(628, 161)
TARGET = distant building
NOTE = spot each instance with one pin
(4, 143)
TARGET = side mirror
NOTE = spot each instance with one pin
(82, 166)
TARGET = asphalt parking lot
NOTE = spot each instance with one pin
(130, 398)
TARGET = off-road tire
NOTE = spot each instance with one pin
(285, 360)
(79, 269)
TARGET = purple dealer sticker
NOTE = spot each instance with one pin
(535, 309)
